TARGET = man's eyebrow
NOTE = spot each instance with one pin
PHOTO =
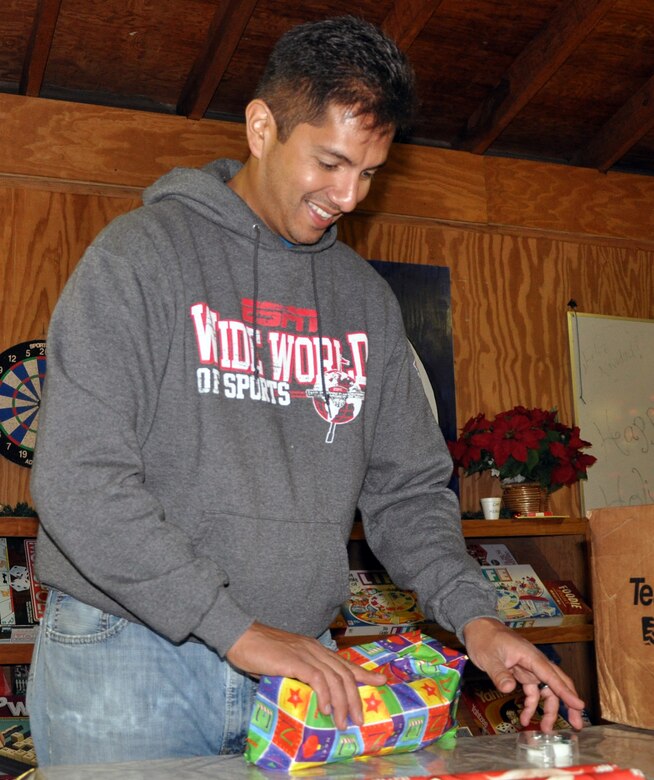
(344, 158)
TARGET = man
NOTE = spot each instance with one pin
(239, 383)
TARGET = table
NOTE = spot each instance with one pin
(620, 745)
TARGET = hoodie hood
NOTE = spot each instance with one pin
(205, 192)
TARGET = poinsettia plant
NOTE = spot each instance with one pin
(523, 445)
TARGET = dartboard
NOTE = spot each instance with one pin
(22, 371)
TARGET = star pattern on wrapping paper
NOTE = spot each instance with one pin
(372, 703)
(430, 690)
(294, 697)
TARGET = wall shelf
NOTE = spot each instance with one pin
(505, 529)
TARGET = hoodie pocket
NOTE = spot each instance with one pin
(289, 574)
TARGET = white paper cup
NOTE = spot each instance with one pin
(491, 508)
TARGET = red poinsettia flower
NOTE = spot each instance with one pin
(523, 444)
(512, 437)
(564, 474)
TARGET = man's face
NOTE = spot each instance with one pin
(318, 174)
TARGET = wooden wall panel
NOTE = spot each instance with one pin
(77, 142)
(566, 199)
(430, 183)
(43, 234)
(509, 311)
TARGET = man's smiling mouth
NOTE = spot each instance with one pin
(326, 215)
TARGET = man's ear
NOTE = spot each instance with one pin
(260, 126)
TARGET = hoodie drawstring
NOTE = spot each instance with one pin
(323, 385)
(255, 297)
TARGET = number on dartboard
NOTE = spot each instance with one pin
(22, 373)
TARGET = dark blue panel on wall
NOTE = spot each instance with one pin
(423, 292)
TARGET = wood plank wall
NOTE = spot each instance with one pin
(520, 238)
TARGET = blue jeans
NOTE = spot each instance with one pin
(104, 689)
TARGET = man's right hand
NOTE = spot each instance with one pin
(265, 650)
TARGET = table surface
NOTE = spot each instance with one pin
(626, 747)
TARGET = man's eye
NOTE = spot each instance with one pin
(327, 166)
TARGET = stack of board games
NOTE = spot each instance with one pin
(524, 600)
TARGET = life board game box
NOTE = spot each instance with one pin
(377, 606)
(522, 598)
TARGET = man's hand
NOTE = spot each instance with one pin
(509, 659)
(265, 650)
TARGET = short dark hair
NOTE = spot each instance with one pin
(345, 61)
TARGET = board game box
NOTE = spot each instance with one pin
(38, 592)
(574, 611)
(377, 606)
(16, 582)
(16, 747)
(523, 600)
(491, 554)
(499, 713)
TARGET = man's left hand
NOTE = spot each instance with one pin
(509, 659)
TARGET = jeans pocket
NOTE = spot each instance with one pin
(69, 621)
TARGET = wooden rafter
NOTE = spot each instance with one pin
(407, 18)
(625, 128)
(38, 48)
(227, 26)
(531, 70)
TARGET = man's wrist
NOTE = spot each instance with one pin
(483, 623)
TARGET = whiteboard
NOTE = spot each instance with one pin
(612, 360)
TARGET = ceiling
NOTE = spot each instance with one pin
(566, 81)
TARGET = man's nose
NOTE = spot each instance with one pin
(350, 191)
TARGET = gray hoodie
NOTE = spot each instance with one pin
(217, 406)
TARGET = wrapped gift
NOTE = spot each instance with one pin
(414, 708)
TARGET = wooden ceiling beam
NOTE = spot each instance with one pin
(227, 27)
(38, 48)
(625, 128)
(404, 22)
(531, 70)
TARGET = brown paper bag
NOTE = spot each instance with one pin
(622, 569)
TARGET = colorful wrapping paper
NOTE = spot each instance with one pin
(580, 772)
(413, 709)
